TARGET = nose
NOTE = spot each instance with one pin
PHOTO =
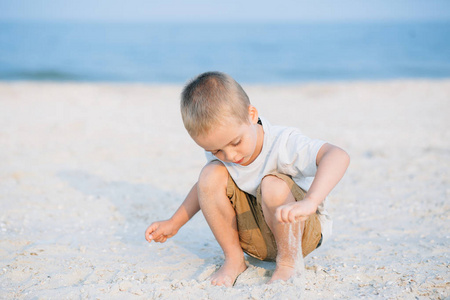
(230, 155)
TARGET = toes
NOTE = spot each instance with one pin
(222, 282)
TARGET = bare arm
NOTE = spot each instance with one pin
(162, 230)
(187, 209)
(332, 162)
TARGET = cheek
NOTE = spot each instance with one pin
(250, 146)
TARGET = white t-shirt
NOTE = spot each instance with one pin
(285, 150)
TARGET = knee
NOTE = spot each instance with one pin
(274, 191)
(212, 177)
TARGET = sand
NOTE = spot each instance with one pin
(85, 168)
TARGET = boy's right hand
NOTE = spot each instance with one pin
(160, 231)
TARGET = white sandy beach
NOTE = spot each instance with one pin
(85, 168)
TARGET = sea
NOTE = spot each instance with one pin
(251, 52)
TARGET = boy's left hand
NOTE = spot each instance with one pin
(295, 211)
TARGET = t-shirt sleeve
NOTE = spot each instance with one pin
(298, 157)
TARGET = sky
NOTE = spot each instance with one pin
(224, 11)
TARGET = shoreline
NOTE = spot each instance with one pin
(256, 84)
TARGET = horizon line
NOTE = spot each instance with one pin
(230, 21)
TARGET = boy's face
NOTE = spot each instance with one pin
(234, 142)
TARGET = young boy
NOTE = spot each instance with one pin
(260, 181)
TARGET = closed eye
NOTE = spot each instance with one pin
(235, 144)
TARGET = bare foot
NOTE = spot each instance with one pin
(282, 272)
(228, 273)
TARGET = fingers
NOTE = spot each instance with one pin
(149, 232)
(278, 215)
(154, 233)
(284, 214)
(160, 238)
(291, 217)
(289, 214)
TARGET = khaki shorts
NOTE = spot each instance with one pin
(255, 236)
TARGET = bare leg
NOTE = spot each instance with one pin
(221, 218)
(275, 193)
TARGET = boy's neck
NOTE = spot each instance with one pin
(259, 142)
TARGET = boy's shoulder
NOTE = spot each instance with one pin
(288, 140)
(279, 130)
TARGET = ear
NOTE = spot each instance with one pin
(253, 114)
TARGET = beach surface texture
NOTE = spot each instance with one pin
(85, 168)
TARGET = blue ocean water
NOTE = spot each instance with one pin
(252, 53)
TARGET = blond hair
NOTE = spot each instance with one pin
(209, 99)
